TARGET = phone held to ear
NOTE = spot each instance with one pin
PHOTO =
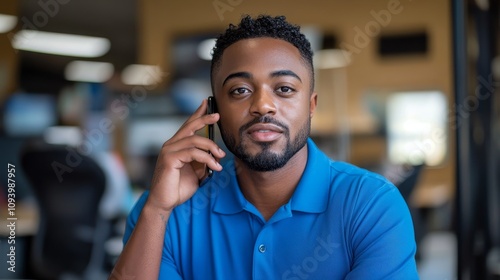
(210, 110)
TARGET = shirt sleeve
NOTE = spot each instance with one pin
(383, 240)
(168, 269)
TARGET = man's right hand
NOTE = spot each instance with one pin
(181, 163)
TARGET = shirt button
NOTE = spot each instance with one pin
(262, 248)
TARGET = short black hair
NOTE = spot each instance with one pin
(263, 26)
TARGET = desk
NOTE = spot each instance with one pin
(27, 219)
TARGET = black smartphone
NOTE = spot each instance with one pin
(210, 110)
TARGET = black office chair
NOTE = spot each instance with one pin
(71, 235)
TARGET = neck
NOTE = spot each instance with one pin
(268, 191)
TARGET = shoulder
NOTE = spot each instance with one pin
(321, 169)
(353, 179)
(348, 170)
(340, 185)
(362, 192)
(376, 221)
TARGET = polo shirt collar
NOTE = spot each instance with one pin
(311, 194)
(230, 199)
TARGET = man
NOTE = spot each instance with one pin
(281, 209)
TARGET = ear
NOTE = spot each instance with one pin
(313, 102)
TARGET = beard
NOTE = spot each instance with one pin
(266, 160)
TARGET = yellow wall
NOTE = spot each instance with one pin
(162, 20)
(8, 56)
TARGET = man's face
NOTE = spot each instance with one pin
(262, 88)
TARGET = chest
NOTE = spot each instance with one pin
(241, 246)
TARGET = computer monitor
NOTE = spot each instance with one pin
(29, 114)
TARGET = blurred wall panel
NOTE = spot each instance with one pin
(8, 56)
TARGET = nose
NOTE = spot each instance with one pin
(263, 103)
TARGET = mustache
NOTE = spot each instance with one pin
(264, 119)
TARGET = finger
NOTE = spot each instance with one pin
(180, 158)
(190, 128)
(202, 110)
(199, 169)
(202, 173)
(195, 141)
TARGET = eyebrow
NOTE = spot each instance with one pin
(274, 74)
(237, 75)
(281, 73)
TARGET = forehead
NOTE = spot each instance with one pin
(261, 55)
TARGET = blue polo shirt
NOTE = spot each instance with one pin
(342, 222)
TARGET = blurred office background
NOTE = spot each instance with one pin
(408, 89)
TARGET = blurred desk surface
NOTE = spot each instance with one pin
(27, 219)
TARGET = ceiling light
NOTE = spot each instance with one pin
(7, 23)
(60, 44)
(140, 74)
(205, 49)
(88, 71)
(63, 135)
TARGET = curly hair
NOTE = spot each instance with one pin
(263, 26)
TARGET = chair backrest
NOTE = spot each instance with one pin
(410, 180)
(69, 208)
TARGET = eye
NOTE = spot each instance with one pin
(285, 89)
(239, 91)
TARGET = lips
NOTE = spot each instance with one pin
(264, 132)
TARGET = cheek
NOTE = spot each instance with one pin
(232, 118)
(296, 119)
(294, 114)
(228, 123)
